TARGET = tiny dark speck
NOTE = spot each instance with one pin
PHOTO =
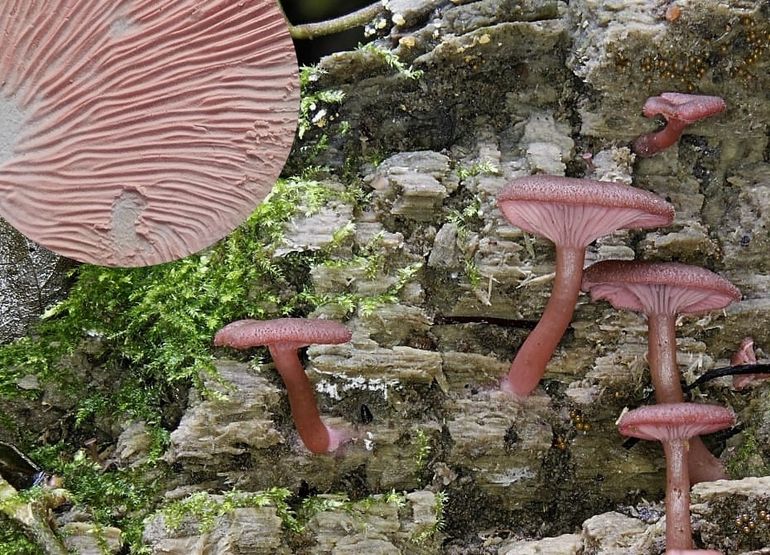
(511, 438)
(366, 415)
(304, 490)
(745, 240)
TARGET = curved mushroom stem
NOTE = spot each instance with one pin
(317, 436)
(529, 364)
(664, 372)
(678, 528)
(650, 144)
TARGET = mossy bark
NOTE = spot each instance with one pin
(440, 291)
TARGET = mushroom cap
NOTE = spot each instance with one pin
(687, 108)
(672, 421)
(745, 353)
(140, 131)
(692, 552)
(575, 212)
(287, 332)
(658, 287)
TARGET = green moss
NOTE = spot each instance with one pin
(120, 497)
(202, 509)
(423, 449)
(154, 325)
(484, 167)
(426, 534)
(370, 262)
(341, 502)
(748, 460)
(316, 106)
(392, 60)
(38, 499)
(317, 109)
(14, 542)
(150, 331)
(205, 509)
(468, 220)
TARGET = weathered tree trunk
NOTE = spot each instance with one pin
(457, 99)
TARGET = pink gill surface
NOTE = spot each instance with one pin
(135, 132)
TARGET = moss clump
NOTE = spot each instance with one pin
(423, 450)
(145, 335)
(14, 542)
(425, 534)
(154, 325)
(747, 459)
(205, 508)
(121, 497)
(370, 266)
(392, 60)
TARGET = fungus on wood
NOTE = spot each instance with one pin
(679, 111)
(140, 131)
(284, 337)
(571, 213)
(661, 291)
(745, 355)
(673, 424)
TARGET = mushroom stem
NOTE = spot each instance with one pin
(652, 143)
(678, 528)
(316, 436)
(529, 365)
(337, 24)
(661, 333)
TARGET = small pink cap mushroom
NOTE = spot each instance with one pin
(745, 355)
(284, 337)
(136, 132)
(575, 212)
(687, 108)
(674, 424)
(571, 213)
(639, 286)
(692, 552)
(292, 333)
(673, 421)
(680, 110)
(661, 291)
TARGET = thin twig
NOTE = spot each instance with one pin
(338, 24)
(753, 368)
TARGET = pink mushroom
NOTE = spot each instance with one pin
(692, 552)
(136, 132)
(745, 355)
(680, 110)
(571, 213)
(662, 291)
(673, 424)
(284, 337)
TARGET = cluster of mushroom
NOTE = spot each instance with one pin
(572, 213)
